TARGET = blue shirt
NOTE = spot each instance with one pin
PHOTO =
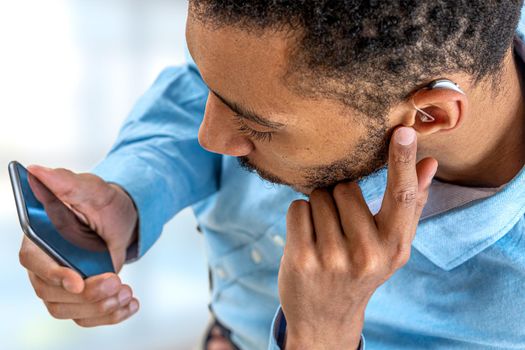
(463, 288)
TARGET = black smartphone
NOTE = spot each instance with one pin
(55, 228)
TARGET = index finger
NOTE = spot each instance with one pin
(300, 236)
(97, 288)
(399, 204)
(36, 260)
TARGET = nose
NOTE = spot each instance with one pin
(218, 132)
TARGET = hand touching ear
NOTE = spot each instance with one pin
(337, 253)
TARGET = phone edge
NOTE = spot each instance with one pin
(23, 218)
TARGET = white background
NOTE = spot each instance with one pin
(70, 72)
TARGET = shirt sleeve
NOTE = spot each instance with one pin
(157, 159)
(278, 333)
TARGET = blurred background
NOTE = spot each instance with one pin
(70, 71)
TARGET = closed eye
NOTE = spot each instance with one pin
(256, 135)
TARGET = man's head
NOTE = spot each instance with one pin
(307, 92)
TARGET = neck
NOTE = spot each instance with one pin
(488, 149)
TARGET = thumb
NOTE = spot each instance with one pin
(73, 283)
(118, 249)
(64, 184)
(118, 257)
(84, 194)
(426, 169)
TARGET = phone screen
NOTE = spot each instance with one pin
(61, 229)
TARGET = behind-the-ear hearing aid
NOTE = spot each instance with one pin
(436, 84)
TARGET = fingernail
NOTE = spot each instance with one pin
(67, 285)
(71, 286)
(124, 296)
(133, 307)
(111, 303)
(405, 136)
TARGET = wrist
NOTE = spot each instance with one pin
(336, 342)
(340, 335)
(130, 203)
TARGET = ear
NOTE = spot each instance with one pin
(446, 106)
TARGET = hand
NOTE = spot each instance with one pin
(66, 222)
(110, 212)
(337, 253)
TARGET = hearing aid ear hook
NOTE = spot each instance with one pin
(436, 84)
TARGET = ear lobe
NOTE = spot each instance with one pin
(447, 107)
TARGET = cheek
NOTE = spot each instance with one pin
(303, 151)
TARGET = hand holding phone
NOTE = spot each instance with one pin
(108, 219)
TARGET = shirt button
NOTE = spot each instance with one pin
(256, 256)
(278, 240)
(220, 272)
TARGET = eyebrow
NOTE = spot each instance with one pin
(246, 113)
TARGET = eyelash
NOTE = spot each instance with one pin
(257, 135)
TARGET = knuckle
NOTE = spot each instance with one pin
(405, 195)
(88, 177)
(24, 257)
(336, 263)
(371, 267)
(96, 290)
(55, 310)
(68, 192)
(40, 290)
(366, 265)
(401, 257)
(401, 260)
(81, 323)
(304, 264)
(127, 288)
(84, 323)
(91, 295)
(117, 316)
(102, 307)
(107, 305)
(343, 189)
(107, 193)
(404, 156)
(51, 274)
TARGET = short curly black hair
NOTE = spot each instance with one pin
(370, 54)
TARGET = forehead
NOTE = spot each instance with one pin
(248, 66)
(252, 68)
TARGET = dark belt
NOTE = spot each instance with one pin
(225, 332)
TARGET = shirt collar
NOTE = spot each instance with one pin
(450, 238)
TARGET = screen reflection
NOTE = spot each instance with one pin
(55, 224)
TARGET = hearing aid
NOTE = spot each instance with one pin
(436, 84)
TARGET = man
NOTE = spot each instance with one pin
(319, 96)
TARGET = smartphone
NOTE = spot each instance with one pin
(55, 228)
